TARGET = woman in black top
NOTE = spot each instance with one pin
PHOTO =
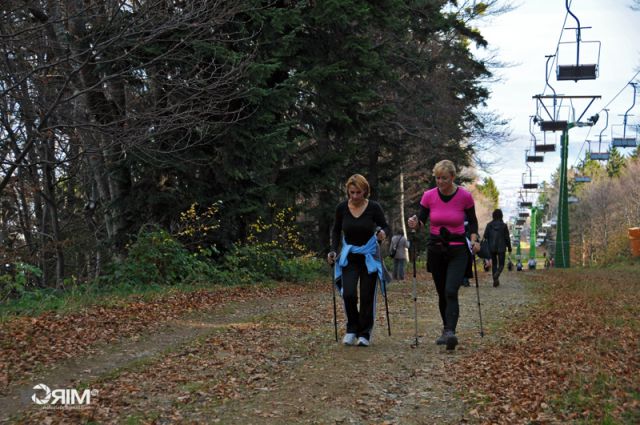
(358, 226)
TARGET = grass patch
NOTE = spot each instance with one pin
(137, 419)
(79, 296)
(34, 303)
(592, 400)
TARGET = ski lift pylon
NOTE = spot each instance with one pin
(553, 123)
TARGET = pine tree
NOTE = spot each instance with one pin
(615, 163)
(489, 189)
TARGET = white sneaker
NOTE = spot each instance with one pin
(363, 342)
(349, 339)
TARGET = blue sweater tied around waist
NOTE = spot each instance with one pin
(373, 260)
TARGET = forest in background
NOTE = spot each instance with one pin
(198, 127)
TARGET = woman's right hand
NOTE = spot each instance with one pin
(331, 257)
(413, 222)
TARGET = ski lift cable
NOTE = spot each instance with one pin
(620, 92)
(575, 164)
(607, 106)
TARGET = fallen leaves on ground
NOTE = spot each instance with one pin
(234, 363)
(576, 355)
(572, 358)
(32, 342)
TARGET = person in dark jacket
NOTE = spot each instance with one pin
(497, 233)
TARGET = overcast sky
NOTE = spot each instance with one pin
(523, 37)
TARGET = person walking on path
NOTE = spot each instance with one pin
(358, 227)
(497, 233)
(448, 254)
(400, 249)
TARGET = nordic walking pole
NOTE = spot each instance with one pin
(386, 306)
(383, 286)
(415, 289)
(335, 314)
(475, 269)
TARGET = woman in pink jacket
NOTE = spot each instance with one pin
(449, 258)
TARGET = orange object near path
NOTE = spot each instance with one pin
(634, 241)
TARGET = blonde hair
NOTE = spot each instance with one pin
(358, 181)
(444, 165)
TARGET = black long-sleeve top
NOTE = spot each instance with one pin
(357, 231)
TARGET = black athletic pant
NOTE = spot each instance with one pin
(448, 266)
(497, 264)
(359, 322)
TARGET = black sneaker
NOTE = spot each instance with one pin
(496, 283)
(442, 339)
(450, 340)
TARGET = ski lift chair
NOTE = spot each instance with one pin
(549, 125)
(544, 146)
(625, 136)
(578, 71)
(539, 147)
(600, 155)
(533, 158)
(530, 185)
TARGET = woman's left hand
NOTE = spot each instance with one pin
(381, 235)
(475, 247)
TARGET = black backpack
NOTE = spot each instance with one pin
(496, 237)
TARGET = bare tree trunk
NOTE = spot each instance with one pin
(50, 198)
(402, 219)
(374, 174)
(111, 180)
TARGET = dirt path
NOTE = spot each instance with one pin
(275, 361)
